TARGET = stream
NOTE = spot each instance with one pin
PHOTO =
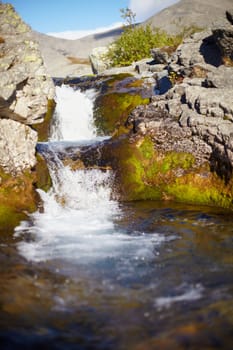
(88, 272)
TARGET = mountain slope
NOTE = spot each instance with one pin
(186, 13)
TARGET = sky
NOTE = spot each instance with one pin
(73, 19)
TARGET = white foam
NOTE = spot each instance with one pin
(73, 115)
(191, 293)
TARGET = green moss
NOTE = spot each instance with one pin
(116, 78)
(112, 110)
(9, 218)
(147, 148)
(17, 197)
(143, 173)
(44, 128)
(193, 188)
(174, 160)
(43, 179)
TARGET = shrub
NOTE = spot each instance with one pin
(136, 42)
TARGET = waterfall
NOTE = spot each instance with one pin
(78, 218)
(73, 115)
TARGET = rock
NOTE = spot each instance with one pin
(199, 49)
(224, 40)
(160, 56)
(25, 89)
(143, 67)
(229, 15)
(163, 81)
(220, 78)
(17, 146)
(210, 102)
(99, 59)
(24, 81)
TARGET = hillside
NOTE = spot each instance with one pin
(56, 52)
(185, 13)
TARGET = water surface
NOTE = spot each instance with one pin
(87, 272)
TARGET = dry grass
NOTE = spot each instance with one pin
(199, 72)
(227, 61)
(78, 60)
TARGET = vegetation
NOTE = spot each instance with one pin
(136, 41)
(122, 93)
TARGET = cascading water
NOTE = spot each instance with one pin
(73, 119)
(77, 222)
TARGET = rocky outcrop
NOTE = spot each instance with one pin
(193, 117)
(25, 90)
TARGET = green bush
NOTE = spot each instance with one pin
(136, 42)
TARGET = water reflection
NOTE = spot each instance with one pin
(180, 298)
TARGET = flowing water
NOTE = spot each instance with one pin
(87, 272)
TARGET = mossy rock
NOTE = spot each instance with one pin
(18, 195)
(121, 93)
(143, 173)
(43, 128)
(43, 179)
(112, 111)
(17, 198)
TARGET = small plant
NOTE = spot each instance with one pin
(129, 16)
(2, 40)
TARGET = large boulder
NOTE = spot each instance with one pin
(99, 59)
(17, 146)
(25, 90)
